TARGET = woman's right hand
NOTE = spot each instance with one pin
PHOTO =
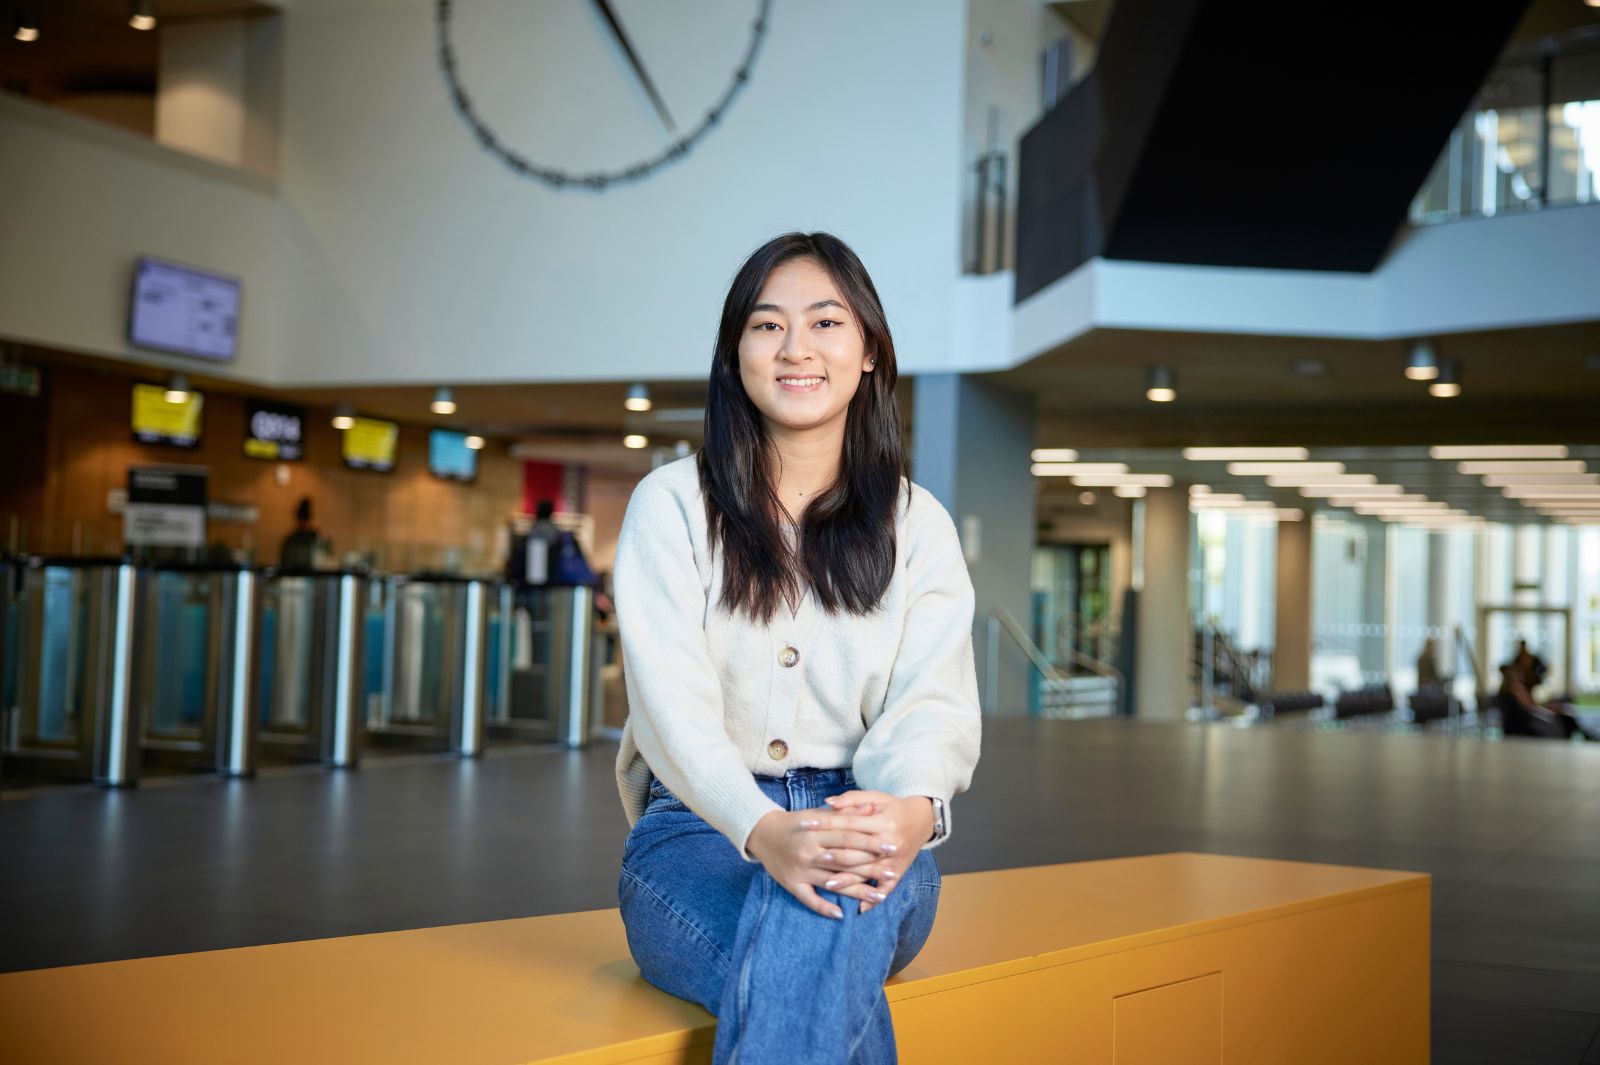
(788, 849)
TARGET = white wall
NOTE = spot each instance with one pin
(85, 199)
(393, 248)
(420, 257)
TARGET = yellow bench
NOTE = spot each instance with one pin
(1176, 959)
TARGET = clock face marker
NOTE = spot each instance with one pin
(696, 20)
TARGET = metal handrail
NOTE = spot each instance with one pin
(1000, 618)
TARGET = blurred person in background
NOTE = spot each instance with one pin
(304, 549)
(1521, 714)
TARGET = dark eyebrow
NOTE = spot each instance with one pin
(817, 306)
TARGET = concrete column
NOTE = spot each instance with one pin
(200, 97)
(1291, 655)
(970, 447)
(1165, 633)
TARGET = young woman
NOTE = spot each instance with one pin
(796, 625)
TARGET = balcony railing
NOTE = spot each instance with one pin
(1531, 138)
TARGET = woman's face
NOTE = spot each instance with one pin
(802, 352)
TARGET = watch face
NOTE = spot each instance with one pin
(589, 94)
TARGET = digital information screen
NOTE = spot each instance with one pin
(158, 421)
(370, 444)
(274, 431)
(449, 456)
(180, 309)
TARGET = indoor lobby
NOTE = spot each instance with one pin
(357, 364)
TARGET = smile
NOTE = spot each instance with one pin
(800, 384)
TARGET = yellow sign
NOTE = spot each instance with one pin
(370, 444)
(157, 420)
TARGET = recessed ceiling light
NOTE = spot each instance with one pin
(1324, 490)
(1286, 469)
(1129, 491)
(1480, 468)
(1499, 451)
(1054, 454)
(1069, 469)
(1246, 454)
(1112, 480)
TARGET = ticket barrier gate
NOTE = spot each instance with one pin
(435, 658)
(309, 697)
(195, 668)
(553, 687)
(75, 670)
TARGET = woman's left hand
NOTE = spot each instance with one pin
(911, 819)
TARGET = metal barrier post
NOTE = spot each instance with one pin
(236, 739)
(572, 723)
(116, 748)
(341, 742)
(467, 730)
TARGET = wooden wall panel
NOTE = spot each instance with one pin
(69, 447)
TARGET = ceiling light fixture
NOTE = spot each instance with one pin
(27, 29)
(1112, 480)
(444, 402)
(1070, 469)
(343, 416)
(1299, 480)
(1499, 451)
(1448, 384)
(638, 397)
(1286, 469)
(475, 442)
(1422, 364)
(144, 15)
(634, 440)
(1314, 491)
(178, 389)
(1246, 454)
(1479, 468)
(1054, 454)
(1160, 384)
(1537, 480)
(1129, 491)
(1086, 499)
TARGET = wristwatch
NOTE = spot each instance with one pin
(939, 825)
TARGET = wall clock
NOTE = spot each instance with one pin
(678, 132)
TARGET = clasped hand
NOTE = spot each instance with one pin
(860, 845)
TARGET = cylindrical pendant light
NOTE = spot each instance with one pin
(444, 402)
(178, 389)
(1448, 384)
(144, 15)
(343, 416)
(1161, 384)
(27, 28)
(638, 398)
(1422, 364)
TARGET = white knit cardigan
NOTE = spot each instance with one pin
(893, 695)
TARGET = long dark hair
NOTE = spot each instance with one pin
(847, 542)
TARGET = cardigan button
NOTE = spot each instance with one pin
(778, 750)
(789, 655)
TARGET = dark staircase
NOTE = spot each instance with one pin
(1243, 133)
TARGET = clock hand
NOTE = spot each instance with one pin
(638, 68)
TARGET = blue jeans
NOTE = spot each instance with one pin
(785, 983)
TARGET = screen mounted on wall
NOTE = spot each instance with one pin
(183, 310)
(274, 431)
(449, 456)
(370, 444)
(159, 420)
